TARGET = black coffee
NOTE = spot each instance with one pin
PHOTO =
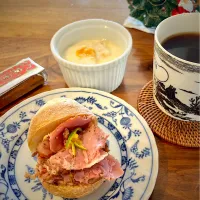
(185, 46)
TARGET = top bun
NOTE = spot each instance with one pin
(53, 113)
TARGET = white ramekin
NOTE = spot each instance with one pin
(107, 76)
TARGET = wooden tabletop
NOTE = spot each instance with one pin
(26, 28)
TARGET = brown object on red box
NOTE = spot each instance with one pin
(20, 79)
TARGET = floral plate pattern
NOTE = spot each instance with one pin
(131, 142)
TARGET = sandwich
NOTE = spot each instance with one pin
(72, 153)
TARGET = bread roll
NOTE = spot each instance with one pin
(72, 191)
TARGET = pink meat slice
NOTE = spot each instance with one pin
(93, 139)
(109, 168)
(56, 136)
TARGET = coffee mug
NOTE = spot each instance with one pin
(176, 82)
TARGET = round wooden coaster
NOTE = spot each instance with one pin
(174, 131)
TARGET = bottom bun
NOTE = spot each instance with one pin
(72, 191)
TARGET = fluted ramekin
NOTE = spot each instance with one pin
(106, 76)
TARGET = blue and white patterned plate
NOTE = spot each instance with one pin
(131, 142)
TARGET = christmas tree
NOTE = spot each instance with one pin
(152, 12)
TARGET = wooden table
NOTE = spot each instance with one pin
(26, 28)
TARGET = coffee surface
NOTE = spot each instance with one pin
(185, 46)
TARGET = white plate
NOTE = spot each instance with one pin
(131, 142)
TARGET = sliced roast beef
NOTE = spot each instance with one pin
(59, 165)
(109, 169)
(56, 136)
(94, 140)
